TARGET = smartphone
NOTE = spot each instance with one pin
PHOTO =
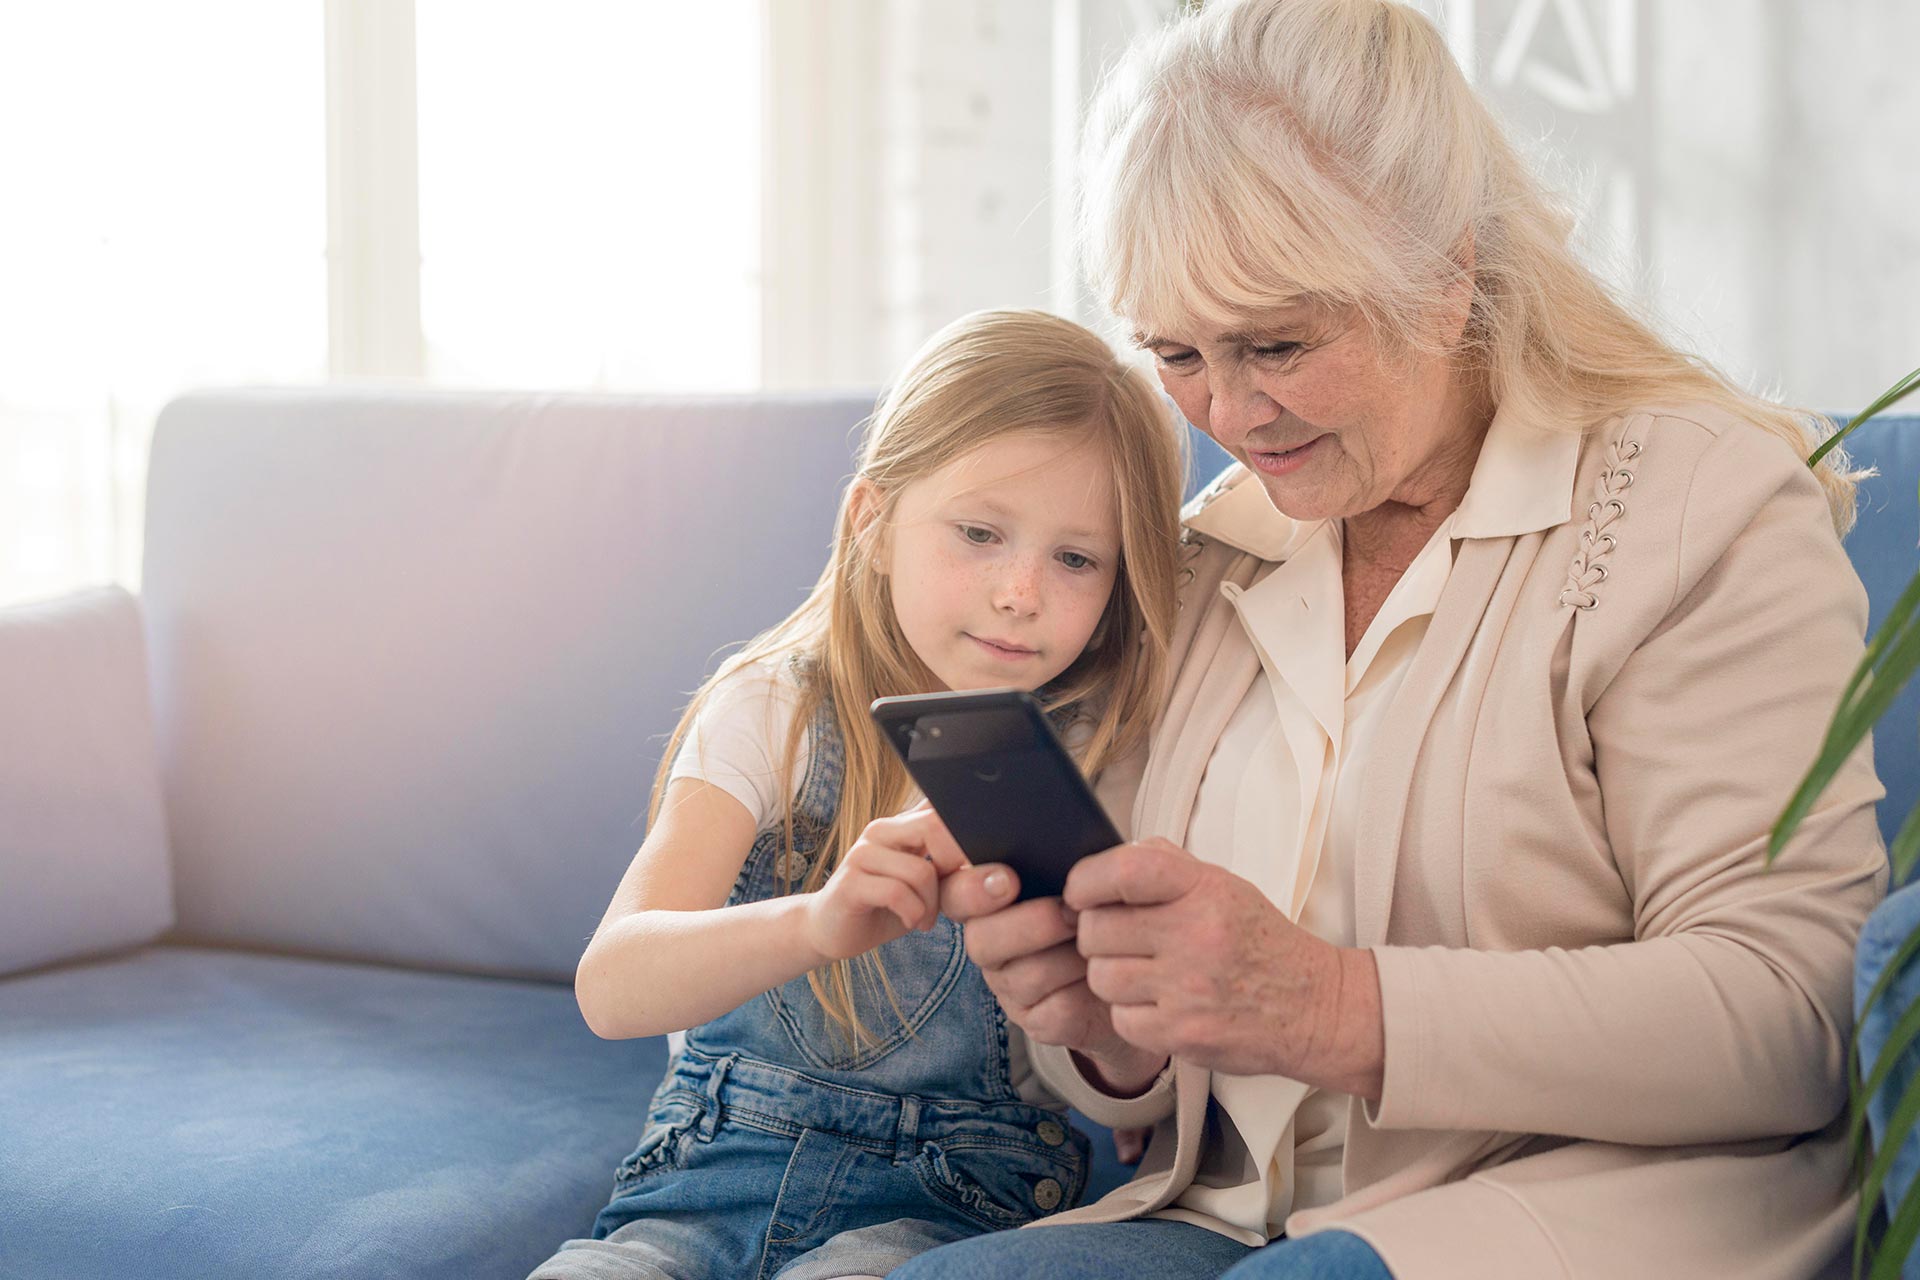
(1001, 780)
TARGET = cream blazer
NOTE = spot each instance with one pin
(1615, 1041)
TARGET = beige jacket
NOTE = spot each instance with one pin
(1611, 1032)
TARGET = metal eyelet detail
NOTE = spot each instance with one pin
(1597, 540)
(1191, 545)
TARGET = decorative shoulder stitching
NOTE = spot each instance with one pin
(1191, 544)
(1604, 517)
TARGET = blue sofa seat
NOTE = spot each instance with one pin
(228, 1113)
(231, 1113)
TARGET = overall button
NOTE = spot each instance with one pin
(1051, 1132)
(1046, 1194)
(791, 866)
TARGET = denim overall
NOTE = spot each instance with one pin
(773, 1135)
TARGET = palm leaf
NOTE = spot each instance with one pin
(1905, 849)
(1901, 1231)
(1890, 661)
(1899, 1124)
(1872, 692)
(1891, 396)
(1895, 964)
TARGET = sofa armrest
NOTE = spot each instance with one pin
(83, 845)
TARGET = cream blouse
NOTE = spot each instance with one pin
(1278, 806)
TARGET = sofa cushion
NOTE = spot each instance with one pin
(1882, 548)
(416, 654)
(83, 843)
(192, 1113)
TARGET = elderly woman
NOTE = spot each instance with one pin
(1446, 947)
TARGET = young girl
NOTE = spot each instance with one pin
(850, 1094)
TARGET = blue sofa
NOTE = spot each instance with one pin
(302, 845)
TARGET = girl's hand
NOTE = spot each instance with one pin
(887, 885)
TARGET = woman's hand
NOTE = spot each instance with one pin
(1027, 954)
(1195, 961)
(887, 885)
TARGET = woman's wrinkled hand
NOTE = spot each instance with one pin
(1027, 953)
(1196, 962)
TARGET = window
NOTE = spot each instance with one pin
(590, 193)
(164, 227)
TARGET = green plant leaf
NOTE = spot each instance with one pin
(1899, 1125)
(1891, 970)
(1906, 846)
(1898, 1241)
(1851, 723)
(1903, 1034)
(1897, 619)
(1891, 396)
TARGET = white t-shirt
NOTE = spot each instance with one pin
(736, 740)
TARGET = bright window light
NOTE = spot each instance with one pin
(164, 227)
(589, 193)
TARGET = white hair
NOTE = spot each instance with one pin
(1263, 152)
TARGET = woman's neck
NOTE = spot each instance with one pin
(1377, 545)
(1386, 538)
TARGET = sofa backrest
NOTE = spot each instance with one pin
(415, 654)
(1885, 548)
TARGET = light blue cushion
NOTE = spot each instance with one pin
(196, 1113)
(1205, 459)
(415, 654)
(1885, 548)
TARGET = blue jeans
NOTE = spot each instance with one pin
(752, 1170)
(1146, 1249)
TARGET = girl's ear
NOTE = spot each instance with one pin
(864, 504)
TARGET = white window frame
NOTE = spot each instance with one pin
(373, 192)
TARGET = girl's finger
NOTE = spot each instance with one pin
(915, 872)
(903, 902)
(921, 834)
(874, 891)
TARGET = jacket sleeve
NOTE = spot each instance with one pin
(1726, 1016)
(1056, 1068)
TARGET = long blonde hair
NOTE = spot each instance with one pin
(1264, 151)
(987, 375)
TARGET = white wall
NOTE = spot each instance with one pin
(1745, 165)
